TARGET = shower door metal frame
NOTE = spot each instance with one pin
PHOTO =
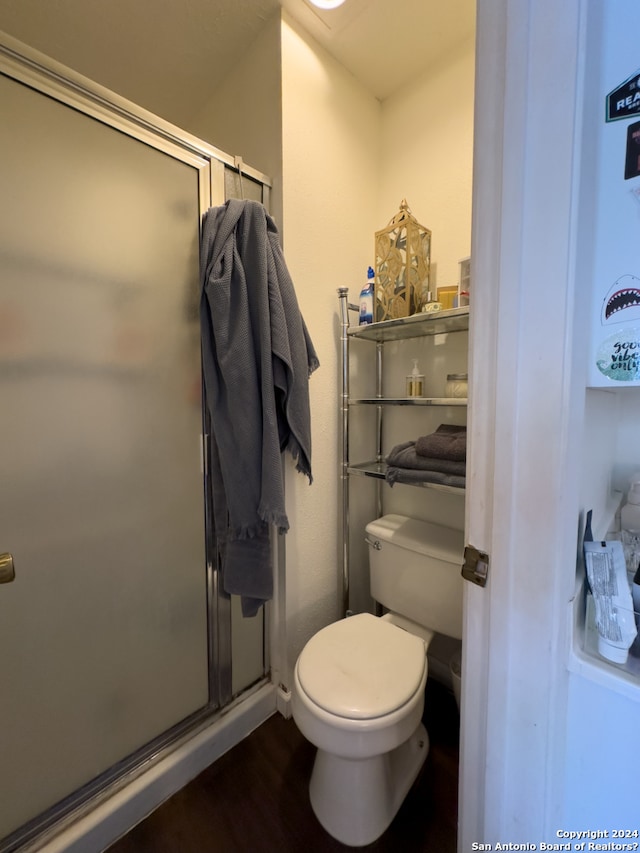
(42, 74)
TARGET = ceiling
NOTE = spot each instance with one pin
(164, 54)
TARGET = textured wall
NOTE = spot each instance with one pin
(331, 131)
(164, 56)
(426, 155)
(243, 115)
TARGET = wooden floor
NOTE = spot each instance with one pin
(255, 798)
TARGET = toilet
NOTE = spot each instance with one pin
(358, 691)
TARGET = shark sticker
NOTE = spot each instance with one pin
(622, 302)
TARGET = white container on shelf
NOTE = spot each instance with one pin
(630, 525)
(630, 512)
(457, 385)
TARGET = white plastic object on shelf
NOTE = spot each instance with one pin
(630, 524)
(630, 512)
(457, 385)
(615, 622)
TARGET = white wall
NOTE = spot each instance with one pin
(426, 156)
(243, 116)
(331, 132)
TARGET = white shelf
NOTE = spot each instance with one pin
(584, 659)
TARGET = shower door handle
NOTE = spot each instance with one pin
(7, 570)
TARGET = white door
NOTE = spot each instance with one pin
(526, 400)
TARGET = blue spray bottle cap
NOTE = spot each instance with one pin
(370, 273)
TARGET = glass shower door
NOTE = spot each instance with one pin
(103, 632)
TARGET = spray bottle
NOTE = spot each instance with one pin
(366, 299)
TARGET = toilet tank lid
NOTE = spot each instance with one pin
(423, 537)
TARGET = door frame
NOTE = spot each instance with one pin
(524, 394)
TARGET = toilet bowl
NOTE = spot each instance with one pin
(358, 689)
(359, 696)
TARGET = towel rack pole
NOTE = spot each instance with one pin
(343, 294)
(239, 166)
(379, 396)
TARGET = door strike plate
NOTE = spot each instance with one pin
(476, 566)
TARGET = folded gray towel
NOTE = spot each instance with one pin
(405, 456)
(452, 428)
(449, 441)
(414, 477)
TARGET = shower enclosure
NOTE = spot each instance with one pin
(114, 637)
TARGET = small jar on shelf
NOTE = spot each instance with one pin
(457, 385)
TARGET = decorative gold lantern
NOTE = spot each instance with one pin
(403, 257)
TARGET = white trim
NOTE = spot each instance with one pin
(485, 264)
(283, 703)
(522, 484)
(122, 811)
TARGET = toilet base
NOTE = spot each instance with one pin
(356, 800)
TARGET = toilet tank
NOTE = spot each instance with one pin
(415, 571)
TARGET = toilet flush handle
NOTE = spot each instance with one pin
(375, 543)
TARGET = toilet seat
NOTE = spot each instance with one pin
(362, 668)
